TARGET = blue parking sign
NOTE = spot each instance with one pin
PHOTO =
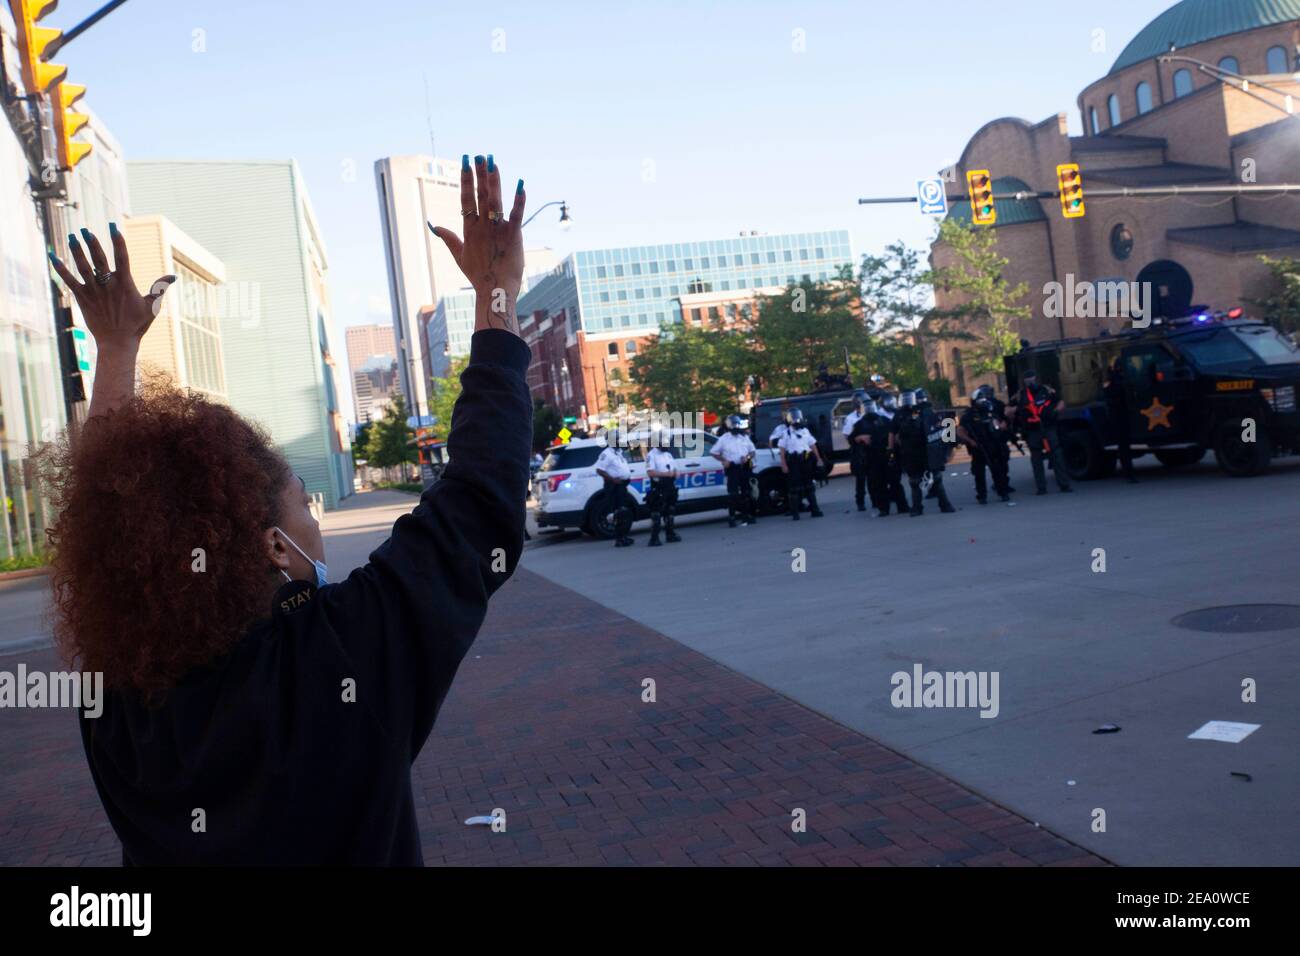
(932, 197)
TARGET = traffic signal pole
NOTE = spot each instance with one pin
(82, 27)
(1125, 192)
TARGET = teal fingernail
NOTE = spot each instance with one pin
(478, 160)
(72, 239)
(491, 165)
(519, 188)
(112, 229)
(53, 257)
(464, 162)
(85, 234)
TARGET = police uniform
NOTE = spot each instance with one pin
(893, 465)
(857, 426)
(618, 499)
(779, 432)
(854, 425)
(1036, 416)
(985, 429)
(922, 449)
(1117, 411)
(801, 464)
(661, 498)
(736, 453)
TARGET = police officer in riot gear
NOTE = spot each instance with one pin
(661, 498)
(890, 417)
(1117, 410)
(736, 452)
(922, 448)
(800, 459)
(982, 430)
(614, 469)
(856, 429)
(1036, 406)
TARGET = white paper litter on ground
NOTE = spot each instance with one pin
(479, 821)
(1226, 731)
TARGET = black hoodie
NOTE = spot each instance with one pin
(296, 746)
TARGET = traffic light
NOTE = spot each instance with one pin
(1071, 183)
(980, 186)
(33, 41)
(67, 123)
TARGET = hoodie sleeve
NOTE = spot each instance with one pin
(405, 621)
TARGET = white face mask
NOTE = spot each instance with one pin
(321, 569)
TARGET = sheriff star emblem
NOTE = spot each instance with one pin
(1157, 415)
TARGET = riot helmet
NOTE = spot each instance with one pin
(889, 401)
(983, 393)
(922, 396)
(907, 400)
(861, 399)
(737, 424)
(795, 419)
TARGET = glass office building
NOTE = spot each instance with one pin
(636, 288)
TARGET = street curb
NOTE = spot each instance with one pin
(24, 573)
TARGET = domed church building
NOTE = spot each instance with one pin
(1206, 94)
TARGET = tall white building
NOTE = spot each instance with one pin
(414, 191)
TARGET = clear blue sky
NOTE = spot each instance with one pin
(743, 133)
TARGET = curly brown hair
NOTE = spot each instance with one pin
(137, 491)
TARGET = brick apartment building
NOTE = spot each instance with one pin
(1152, 123)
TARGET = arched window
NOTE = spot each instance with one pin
(1144, 97)
(1096, 126)
(1276, 60)
(959, 370)
(613, 349)
(1112, 106)
(1230, 64)
(629, 347)
(1182, 83)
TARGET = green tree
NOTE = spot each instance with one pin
(360, 441)
(807, 325)
(691, 369)
(1282, 308)
(547, 421)
(443, 395)
(987, 304)
(389, 441)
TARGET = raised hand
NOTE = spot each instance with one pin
(492, 252)
(114, 310)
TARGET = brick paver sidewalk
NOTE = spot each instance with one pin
(546, 722)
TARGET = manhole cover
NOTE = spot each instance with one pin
(1241, 618)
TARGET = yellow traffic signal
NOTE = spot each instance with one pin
(980, 186)
(33, 41)
(1071, 184)
(67, 123)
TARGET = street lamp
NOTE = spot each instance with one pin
(566, 221)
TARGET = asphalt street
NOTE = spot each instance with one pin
(998, 590)
(1013, 590)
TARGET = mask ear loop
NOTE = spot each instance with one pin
(282, 570)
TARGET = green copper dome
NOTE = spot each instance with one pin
(1195, 21)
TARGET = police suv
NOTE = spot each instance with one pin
(1210, 380)
(571, 495)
